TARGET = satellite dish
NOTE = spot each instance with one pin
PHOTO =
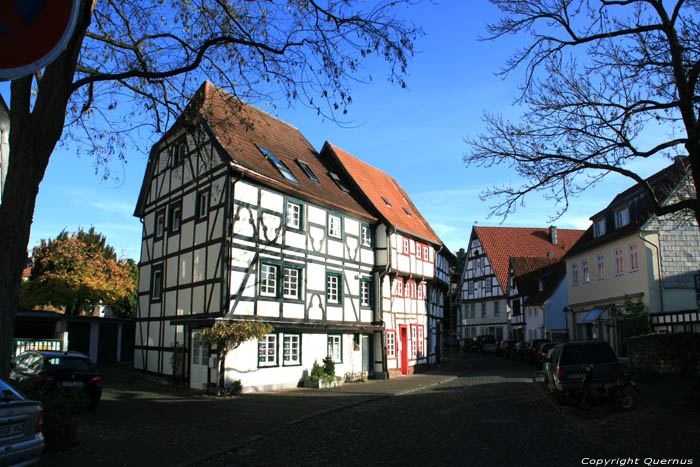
(33, 33)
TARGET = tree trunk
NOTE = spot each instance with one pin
(36, 125)
(221, 380)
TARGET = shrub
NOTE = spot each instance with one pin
(233, 388)
(62, 411)
(329, 367)
(317, 372)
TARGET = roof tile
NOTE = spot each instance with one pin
(502, 243)
(378, 187)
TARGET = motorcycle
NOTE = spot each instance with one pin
(623, 390)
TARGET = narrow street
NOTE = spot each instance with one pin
(483, 410)
(495, 415)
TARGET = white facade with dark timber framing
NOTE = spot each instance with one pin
(412, 266)
(491, 302)
(244, 222)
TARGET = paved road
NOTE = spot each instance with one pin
(493, 416)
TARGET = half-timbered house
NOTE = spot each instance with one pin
(412, 267)
(490, 302)
(243, 221)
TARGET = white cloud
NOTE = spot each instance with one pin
(125, 209)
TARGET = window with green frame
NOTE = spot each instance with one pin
(291, 287)
(269, 278)
(291, 349)
(294, 214)
(267, 350)
(334, 287)
(335, 347)
(335, 225)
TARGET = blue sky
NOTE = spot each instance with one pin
(416, 135)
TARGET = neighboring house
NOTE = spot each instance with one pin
(630, 254)
(243, 221)
(412, 265)
(540, 285)
(487, 307)
(4, 143)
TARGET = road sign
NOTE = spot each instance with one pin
(33, 33)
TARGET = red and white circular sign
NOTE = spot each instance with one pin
(33, 33)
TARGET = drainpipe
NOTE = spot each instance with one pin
(658, 263)
(380, 301)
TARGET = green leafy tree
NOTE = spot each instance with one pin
(228, 336)
(76, 272)
(632, 317)
(134, 64)
(607, 83)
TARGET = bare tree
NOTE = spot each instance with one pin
(601, 76)
(131, 64)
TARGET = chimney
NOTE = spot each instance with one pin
(553, 234)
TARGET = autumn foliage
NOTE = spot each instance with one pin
(75, 272)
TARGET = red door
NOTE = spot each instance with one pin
(403, 334)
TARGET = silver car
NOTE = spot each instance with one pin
(21, 440)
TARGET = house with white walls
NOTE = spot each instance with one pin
(490, 302)
(412, 266)
(540, 285)
(243, 221)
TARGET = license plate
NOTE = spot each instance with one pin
(11, 429)
(71, 384)
(576, 376)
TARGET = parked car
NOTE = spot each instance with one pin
(568, 363)
(542, 354)
(472, 344)
(523, 351)
(21, 439)
(534, 349)
(547, 359)
(489, 347)
(515, 350)
(483, 340)
(67, 370)
(505, 347)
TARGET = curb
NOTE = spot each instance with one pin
(296, 421)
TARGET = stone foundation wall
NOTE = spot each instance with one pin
(665, 354)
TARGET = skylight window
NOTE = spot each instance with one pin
(337, 181)
(386, 201)
(407, 211)
(307, 170)
(284, 170)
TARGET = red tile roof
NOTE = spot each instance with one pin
(377, 185)
(502, 243)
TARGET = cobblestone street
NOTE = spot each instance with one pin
(482, 410)
(493, 416)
